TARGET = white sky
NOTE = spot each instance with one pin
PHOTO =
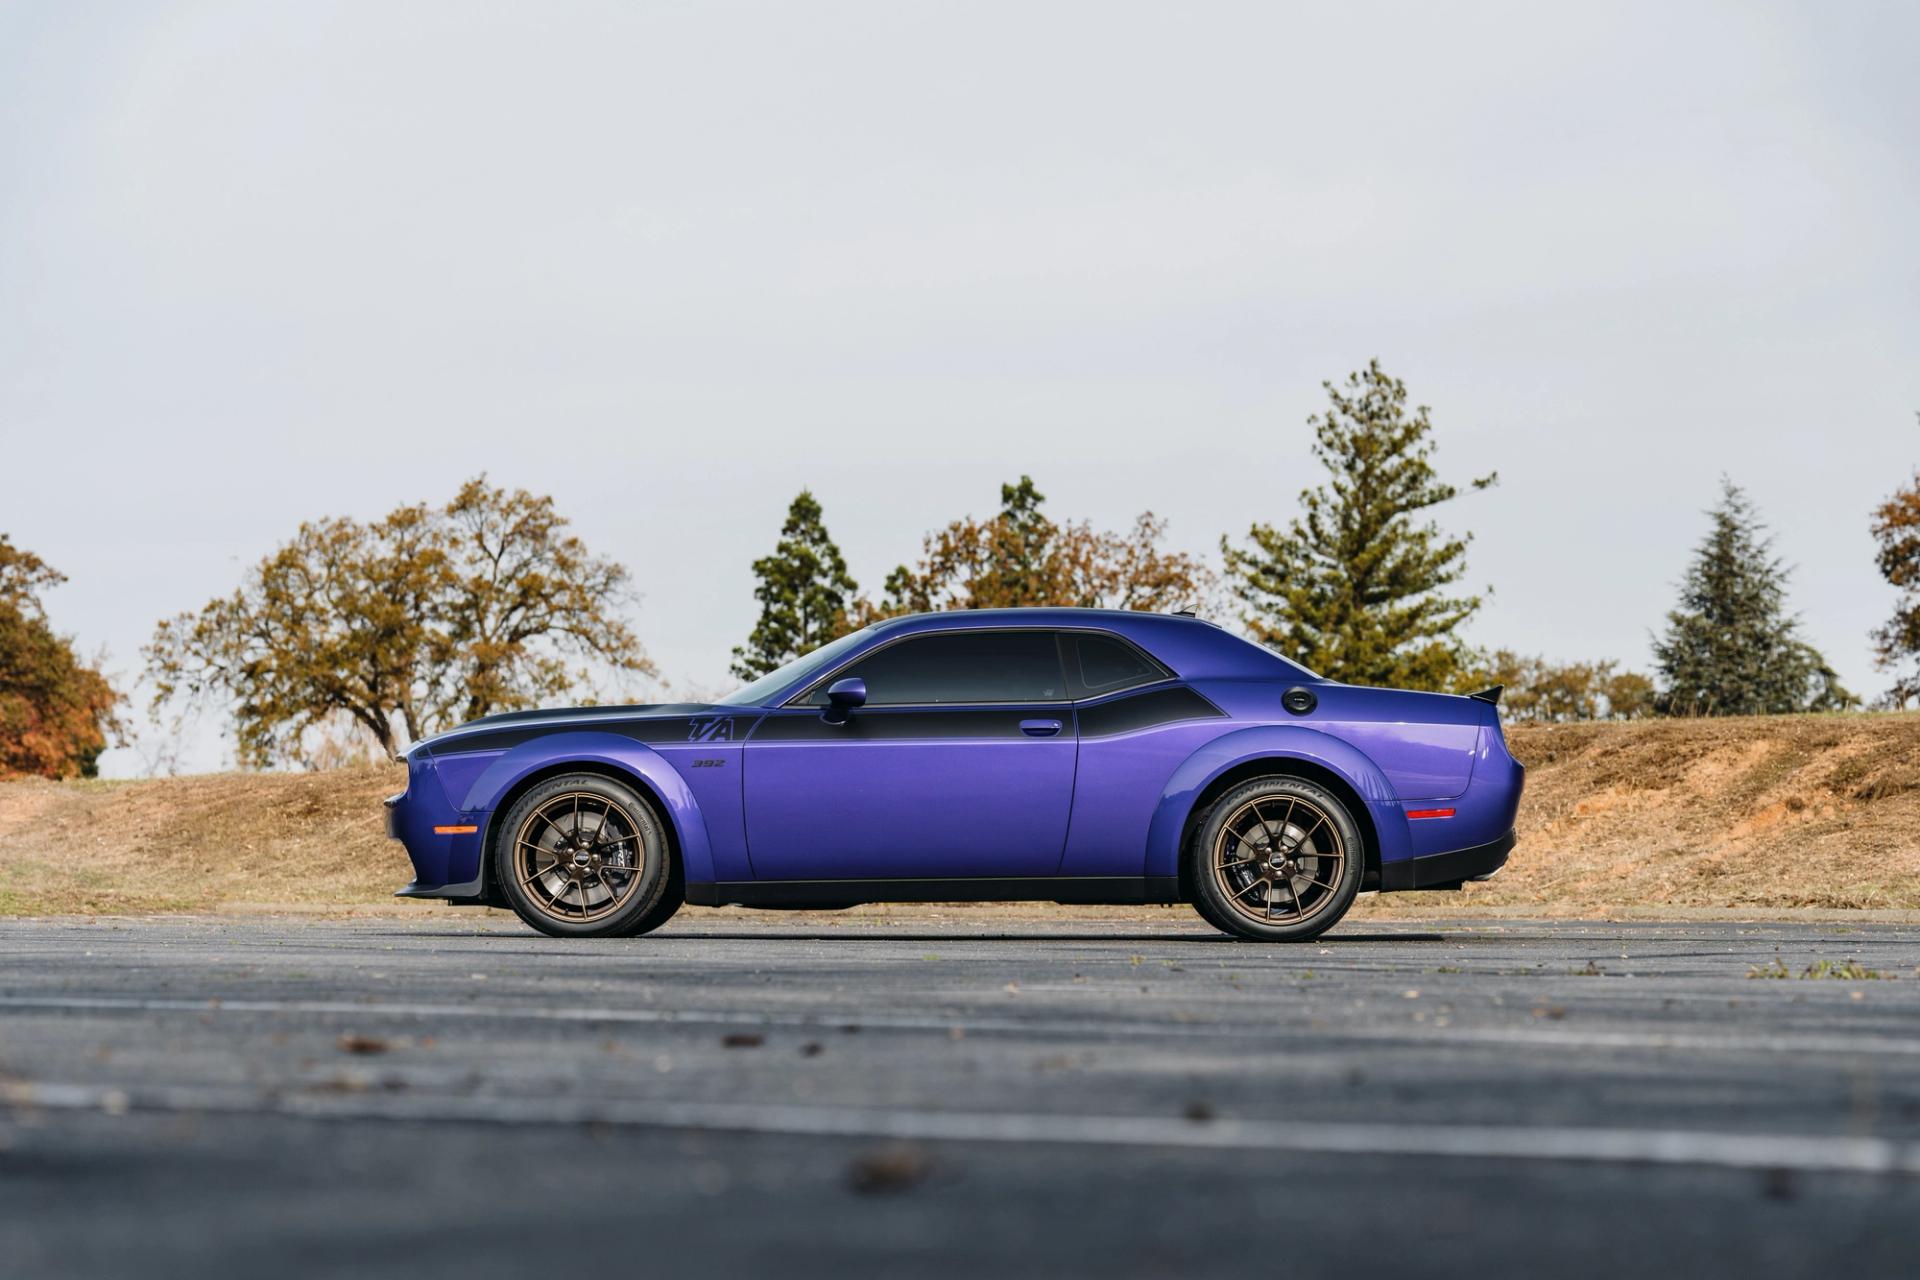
(669, 262)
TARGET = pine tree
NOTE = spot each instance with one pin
(1355, 588)
(1731, 648)
(1022, 571)
(1022, 559)
(804, 593)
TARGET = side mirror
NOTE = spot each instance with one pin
(842, 697)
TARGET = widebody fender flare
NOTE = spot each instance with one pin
(1274, 742)
(607, 751)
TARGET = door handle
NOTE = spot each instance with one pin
(1039, 728)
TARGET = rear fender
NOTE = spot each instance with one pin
(612, 753)
(1274, 742)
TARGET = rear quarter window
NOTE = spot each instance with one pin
(1106, 664)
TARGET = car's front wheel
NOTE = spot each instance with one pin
(1276, 859)
(584, 856)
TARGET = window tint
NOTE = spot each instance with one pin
(796, 671)
(961, 666)
(1105, 663)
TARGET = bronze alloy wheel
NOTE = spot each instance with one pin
(578, 857)
(1279, 860)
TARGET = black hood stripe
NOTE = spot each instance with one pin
(652, 730)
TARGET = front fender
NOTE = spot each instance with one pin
(1274, 742)
(611, 751)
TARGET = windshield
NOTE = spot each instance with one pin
(796, 671)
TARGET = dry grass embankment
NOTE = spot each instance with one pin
(1763, 814)
(1766, 812)
(199, 843)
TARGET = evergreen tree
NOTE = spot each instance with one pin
(1023, 559)
(1731, 648)
(1355, 588)
(1022, 571)
(804, 593)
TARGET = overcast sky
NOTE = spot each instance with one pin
(670, 262)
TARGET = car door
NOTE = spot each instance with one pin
(960, 765)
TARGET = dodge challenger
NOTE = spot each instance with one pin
(1057, 755)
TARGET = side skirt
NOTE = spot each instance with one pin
(1102, 890)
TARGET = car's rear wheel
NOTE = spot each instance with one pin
(585, 856)
(1276, 859)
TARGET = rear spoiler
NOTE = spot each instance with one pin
(1489, 696)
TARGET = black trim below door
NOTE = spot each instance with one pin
(888, 724)
(1097, 890)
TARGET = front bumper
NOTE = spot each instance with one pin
(1447, 870)
(446, 863)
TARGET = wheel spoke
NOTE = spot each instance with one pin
(1235, 853)
(615, 839)
(1309, 835)
(1260, 819)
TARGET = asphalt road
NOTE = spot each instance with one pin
(744, 1094)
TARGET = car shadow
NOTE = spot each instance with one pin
(962, 936)
(871, 935)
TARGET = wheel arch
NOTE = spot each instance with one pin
(620, 759)
(1285, 767)
(1285, 750)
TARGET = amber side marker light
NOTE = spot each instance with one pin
(1429, 813)
(467, 831)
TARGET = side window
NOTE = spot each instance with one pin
(1103, 664)
(960, 666)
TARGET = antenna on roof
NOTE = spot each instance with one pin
(1184, 613)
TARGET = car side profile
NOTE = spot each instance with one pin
(1069, 755)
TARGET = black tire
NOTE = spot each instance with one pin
(1275, 859)
(584, 856)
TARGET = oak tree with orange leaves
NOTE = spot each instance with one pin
(410, 624)
(1896, 528)
(56, 713)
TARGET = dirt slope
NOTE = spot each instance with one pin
(1779, 811)
(1782, 812)
(180, 844)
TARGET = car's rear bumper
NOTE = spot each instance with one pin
(1447, 870)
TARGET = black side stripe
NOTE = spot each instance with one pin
(1125, 713)
(881, 725)
(1145, 711)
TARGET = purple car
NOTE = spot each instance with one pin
(1060, 755)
